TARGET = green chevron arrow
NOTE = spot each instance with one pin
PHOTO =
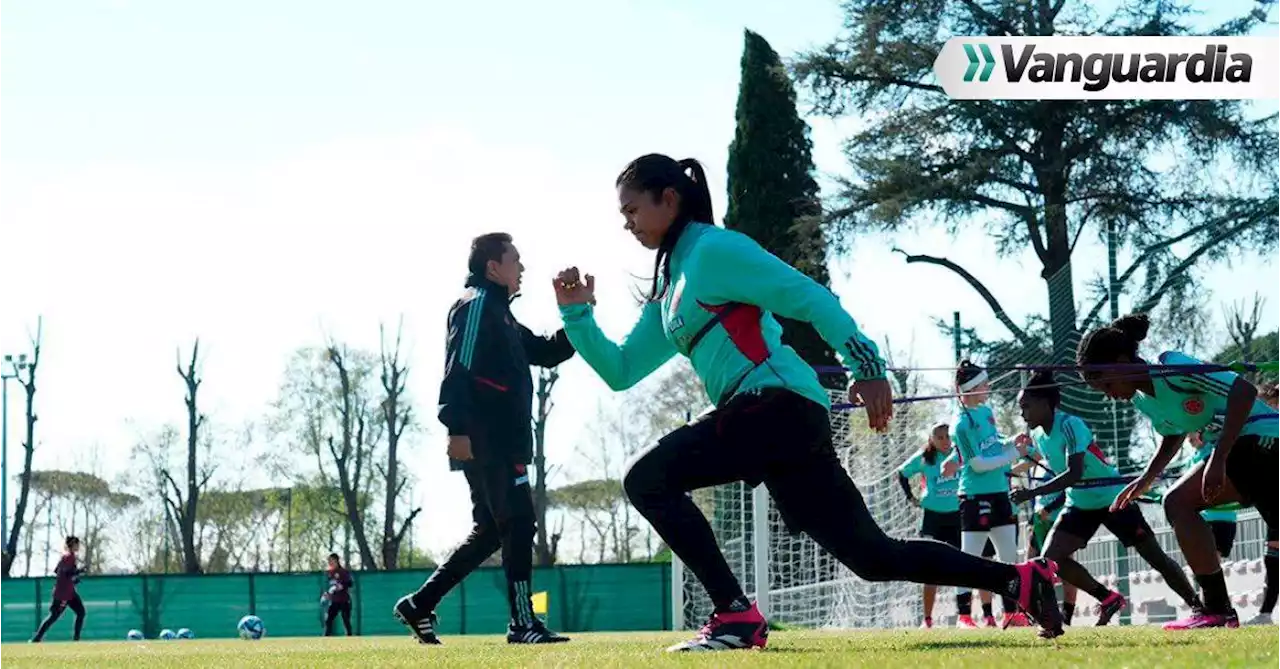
(988, 62)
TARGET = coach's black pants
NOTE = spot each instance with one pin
(336, 609)
(56, 607)
(783, 440)
(502, 511)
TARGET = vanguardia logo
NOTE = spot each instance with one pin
(1109, 68)
(988, 62)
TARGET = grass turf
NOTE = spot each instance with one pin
(1143, 647)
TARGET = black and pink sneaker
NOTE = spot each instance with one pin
(729, 630)
(1109, 607)
(1036, 596)
(1203, 620)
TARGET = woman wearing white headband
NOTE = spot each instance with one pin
(984, 460)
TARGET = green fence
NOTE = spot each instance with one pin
(580, 598)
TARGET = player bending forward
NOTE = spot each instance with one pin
(712, 297)
(1242, 468)
(1067, 444)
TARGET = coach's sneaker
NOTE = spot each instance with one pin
(1204, 619)
(729, 630)
(1109, 607)
(535, 633)
(421, 623)
(1036, 596)
(965, 622)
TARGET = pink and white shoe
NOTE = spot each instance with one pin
(729, 630)
(927, 624)
(965, 622)
(1204, 620)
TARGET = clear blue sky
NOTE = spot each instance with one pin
(256, 173)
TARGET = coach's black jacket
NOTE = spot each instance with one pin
(487, 391)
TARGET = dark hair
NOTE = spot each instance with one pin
(1267, 390)
(71, 539)
(486, 247)
(334, 556)
(654, 173)
(966, 372)
(929, 454)
(1107, 344)
(1045, 386)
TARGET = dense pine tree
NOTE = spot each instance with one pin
(773, 196)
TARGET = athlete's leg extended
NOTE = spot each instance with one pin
(483, 541)
(1150, 550)
(56, 607)
(1061, 545)
(417, 610)
(657, 483)
(815, 494)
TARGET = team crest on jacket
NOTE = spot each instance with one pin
(1193, 406)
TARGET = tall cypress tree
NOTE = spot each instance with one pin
(773, 197)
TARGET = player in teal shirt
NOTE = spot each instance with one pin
(985, 461)
(712, 300)
(1091, 484)
(941, 518)
(1221, 519)
(1242, 466)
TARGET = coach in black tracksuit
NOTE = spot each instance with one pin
(486, 403)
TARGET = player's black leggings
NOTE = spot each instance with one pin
(784, 440)
(56, 607)
(336, 609)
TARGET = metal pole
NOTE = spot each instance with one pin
(955, 334)
(4, 460)
(288, 533)
(1113, 298)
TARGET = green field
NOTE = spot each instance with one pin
(1143, 647)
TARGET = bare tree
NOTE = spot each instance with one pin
(351, 453)
(184, 507)
(26, 377)
(545, 551)
(396, 414)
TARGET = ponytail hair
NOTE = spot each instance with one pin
(1108, 344)
(969, 376)
(654, 173)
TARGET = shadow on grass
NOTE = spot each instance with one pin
(1093, 642)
